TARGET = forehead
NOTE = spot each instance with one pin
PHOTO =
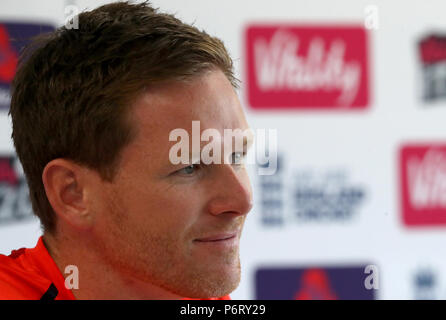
(208, 98)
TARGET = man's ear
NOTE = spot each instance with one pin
(66, 189)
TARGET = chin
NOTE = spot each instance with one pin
(214, 289)
(213, 283)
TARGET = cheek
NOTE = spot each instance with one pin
(161, 209)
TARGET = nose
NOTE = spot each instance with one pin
(233, 194)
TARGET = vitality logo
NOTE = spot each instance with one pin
(307, 67)
(423, 184)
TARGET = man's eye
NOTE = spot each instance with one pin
(189, 170)
(237, 158)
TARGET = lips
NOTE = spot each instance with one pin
(218, 237)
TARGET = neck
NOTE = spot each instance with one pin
(98, 279)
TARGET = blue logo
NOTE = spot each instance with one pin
(13, 38)
(313, 283)
(15, 205)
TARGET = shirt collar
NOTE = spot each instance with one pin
(41, 258)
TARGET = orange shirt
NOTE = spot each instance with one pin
(31, 274)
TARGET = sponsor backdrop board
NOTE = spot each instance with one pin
(355, 92)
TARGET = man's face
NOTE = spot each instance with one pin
(164, 224)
